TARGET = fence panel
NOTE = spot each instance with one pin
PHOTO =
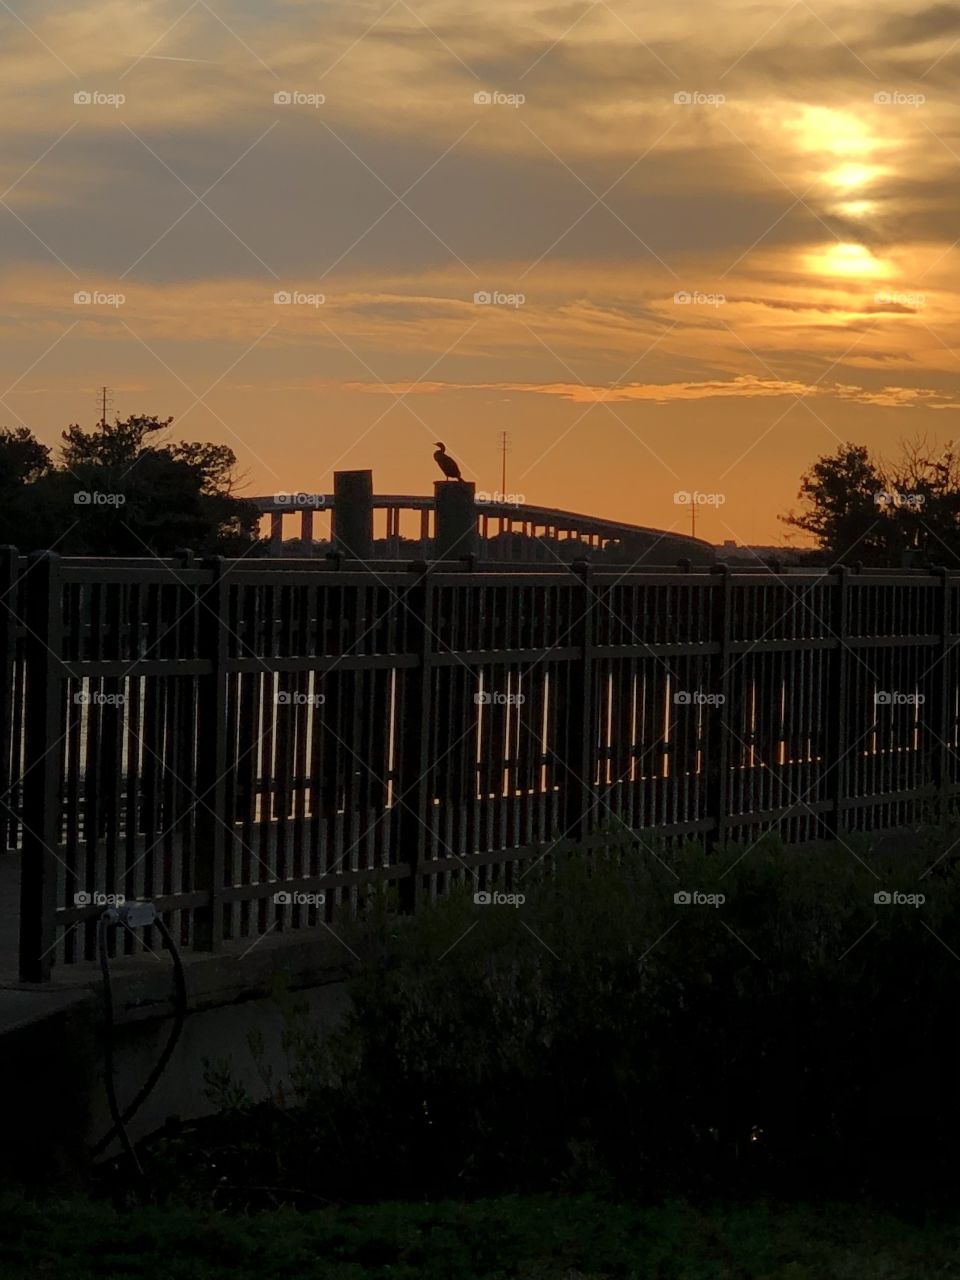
(249, 746)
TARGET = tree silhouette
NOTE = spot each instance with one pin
(884, 513)
(122, 488)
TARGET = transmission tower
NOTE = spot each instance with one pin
(104, 402)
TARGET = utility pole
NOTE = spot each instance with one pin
(693, 514)
(105, 399)
(504, 450)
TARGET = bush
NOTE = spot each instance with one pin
(797, 1037)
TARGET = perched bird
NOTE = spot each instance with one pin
(446, 464)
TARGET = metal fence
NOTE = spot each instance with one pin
(234, 740)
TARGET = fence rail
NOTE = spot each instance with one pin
(230, 738)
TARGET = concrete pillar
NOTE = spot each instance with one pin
(276, 533)
(306, 527)
(353, 513)
(456, 519)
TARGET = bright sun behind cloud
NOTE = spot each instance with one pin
(845, 259)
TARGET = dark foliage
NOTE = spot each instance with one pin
(799, 1038)
(122, 489)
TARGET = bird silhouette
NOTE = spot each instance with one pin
(446, 464)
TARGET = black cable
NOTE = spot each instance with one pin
(118, 1124)
(120, 1120)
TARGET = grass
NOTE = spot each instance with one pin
(532, 1237)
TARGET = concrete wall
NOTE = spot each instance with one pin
(52, 1040)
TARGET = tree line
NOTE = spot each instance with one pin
(125, 488)
(858, 506)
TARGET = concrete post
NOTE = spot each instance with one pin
(456, 519)
(306, 528)
(353, 513)
(276, 533)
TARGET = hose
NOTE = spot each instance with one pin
(121, 1119)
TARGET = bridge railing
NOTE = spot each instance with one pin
(251, 745)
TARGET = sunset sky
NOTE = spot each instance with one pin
(792, 168)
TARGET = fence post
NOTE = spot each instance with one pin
(414, 782)
(943, 720)
(43, 731)
(353, 513)
(455, 519)
(836, 710)
(718, 729)
(578, 759)
(9, 738)
(211, 790)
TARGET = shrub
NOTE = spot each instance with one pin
(797, 1036)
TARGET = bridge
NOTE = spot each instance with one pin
(456, 521)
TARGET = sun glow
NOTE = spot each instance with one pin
(845, 259)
